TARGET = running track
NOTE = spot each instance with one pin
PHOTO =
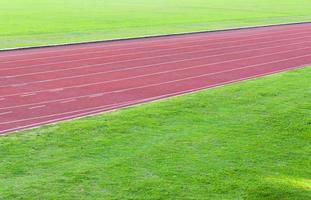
(45, 85)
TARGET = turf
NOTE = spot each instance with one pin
(249, 140)
(34, 22)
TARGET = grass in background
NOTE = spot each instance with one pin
(34, 22)
(249, 140)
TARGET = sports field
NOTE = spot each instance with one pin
(33, 22)
(45, 85)
(249, 140)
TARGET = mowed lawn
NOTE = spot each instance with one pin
(42, 22)
(248, 140)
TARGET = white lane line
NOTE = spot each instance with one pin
(159, 50)
(28, 94)
(36, 107)
(223, 35)
(56, 90)
(156, 84)
(140, 59)
(98, 109)
(19, 85)
(6, 113)
(96, 95)
(133, 52)
(153, 65)
(68, 101)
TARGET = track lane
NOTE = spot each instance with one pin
(138, 94)
(19, 95)
(8, 75)
(113, 95)
(31, 109)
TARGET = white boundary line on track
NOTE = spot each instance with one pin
(36, 107)
(150, 85)
(102, 65)
(151, 74)
(141, 102)
(265, 35)
(5, 113)
(180, 35)
(151, 51)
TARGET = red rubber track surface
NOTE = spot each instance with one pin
(45, 85)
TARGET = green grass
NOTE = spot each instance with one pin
(249, 140)
(34, 22)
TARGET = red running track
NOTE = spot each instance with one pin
(45, 85)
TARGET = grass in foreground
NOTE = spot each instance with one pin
(34, 22)
(249, 140)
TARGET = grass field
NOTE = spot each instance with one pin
(249, 140)
(33, 22)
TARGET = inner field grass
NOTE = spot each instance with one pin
(34, 22)
(249, 140)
